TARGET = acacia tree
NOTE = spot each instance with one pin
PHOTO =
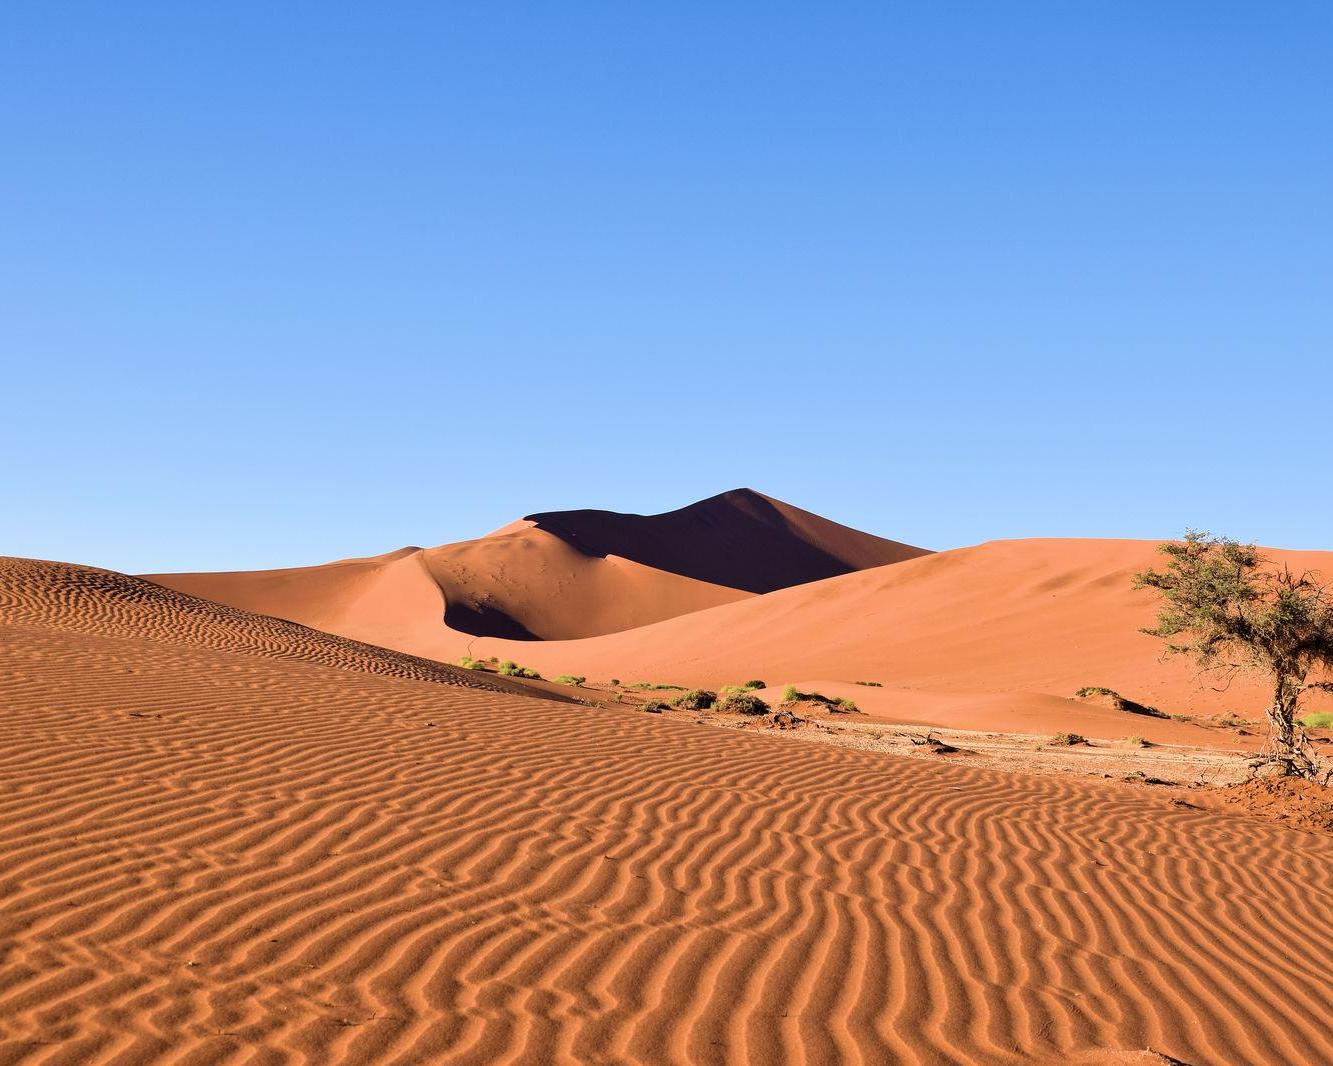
(1227, 608)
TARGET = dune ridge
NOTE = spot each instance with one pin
(1044, 617)
(561, 575)
(84, 599)
(213, 855)
(739, 539)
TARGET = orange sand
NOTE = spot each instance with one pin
(226, 839)
(561, 575)
(1021, 620)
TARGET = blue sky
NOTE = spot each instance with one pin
(285, 283)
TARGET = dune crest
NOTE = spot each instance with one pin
(1024, 616)
(559, 575)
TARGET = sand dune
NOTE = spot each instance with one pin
(559, 576)
(221, 842)
(1027, 619)
(524, 585)
(1030, 616)
(741, 539)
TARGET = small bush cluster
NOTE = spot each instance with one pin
(508, 668)
(1122, 703)
(469, 663)
(655, 706)
(651, 685)
(754, 684)
(570, 679)
(836, 704)
(1321, 720)
(1069, 739)
(871, 684)
(741, 702)
(695, 699)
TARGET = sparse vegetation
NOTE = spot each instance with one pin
(1322, 720)
(754, 684)
(615, 682)
(741, 702)
(837, 704)
(570, 679)
(655, 706)
(871, 684)
(509, 668)
(1069, 739)
(695, 699)
(1122, 703)
(1225, 608)
(469, 663)
(655, 687)
(1136, 742)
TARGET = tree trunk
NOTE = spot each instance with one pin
(1288, 747)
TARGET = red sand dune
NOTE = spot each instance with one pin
(560, 575)
(224, 839)
(740, 539)
(1031, 616)
(1028, 620)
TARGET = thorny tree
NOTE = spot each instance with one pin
(1229, 610)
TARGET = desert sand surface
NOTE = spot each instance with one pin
(1000, 635)
(228, 839)
(559, 575)
(1025, 618)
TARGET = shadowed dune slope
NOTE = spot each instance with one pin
(1041, 616)
(559, 576)
(741, 539)
(218, 856)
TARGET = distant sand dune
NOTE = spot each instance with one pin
(561, 575)
(1024, 616)
(229, 844)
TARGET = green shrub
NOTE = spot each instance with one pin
(846, 706)
(754, 684)
(696, 699)
(655, 706)
(742, 702)
(570, 679)
(512, 669)
(469, 663)
(1122, 703)
(651, 685)
(1136, 742)
(1320, 720)
(790, 695)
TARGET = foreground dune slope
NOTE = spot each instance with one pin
(213, 853)
(103, 603)
(1038, 616)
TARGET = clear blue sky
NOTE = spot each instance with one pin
(281, 283)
